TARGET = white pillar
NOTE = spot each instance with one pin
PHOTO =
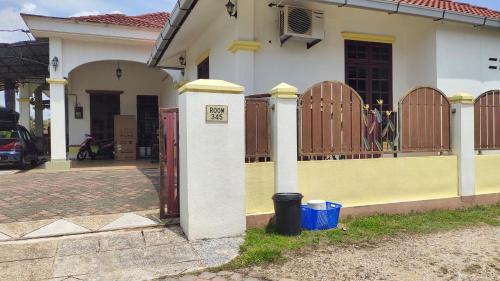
(462, 141)
(24, 105)
(58, 158)
(284, 139)
(38, 113)
(212, 153)
(245, 46)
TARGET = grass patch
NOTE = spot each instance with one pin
(263, 246)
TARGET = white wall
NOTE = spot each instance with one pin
(413, 50)
(78, 52)
(294, 64)
(449, 56)
(217, 37)
(137, 79)
(462, 58)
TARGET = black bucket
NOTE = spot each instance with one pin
(287, 209)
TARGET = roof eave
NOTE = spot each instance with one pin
(177, 17)
(184, 7)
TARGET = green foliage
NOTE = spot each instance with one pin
(264, 246)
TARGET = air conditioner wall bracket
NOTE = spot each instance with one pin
(312, 43)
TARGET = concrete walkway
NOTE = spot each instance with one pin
(120, 255)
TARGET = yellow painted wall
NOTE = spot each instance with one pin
(259, 187)
(359, 182)
(487, 174)
(377, 181)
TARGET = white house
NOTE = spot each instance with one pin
(98, 64)
(381, 48)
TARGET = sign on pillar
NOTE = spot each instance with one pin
(211, 159)
(462, 141)
(284, 140)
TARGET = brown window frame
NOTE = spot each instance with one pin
(369, 63)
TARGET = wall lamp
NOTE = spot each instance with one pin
(231, 8)
(182, 61)
(119, 72)
(55, 63)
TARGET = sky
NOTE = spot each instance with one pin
(10, 9)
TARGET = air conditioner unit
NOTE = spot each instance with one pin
(301, 23)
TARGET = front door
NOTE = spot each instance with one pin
(103, 108)
(368, 68)
(147, 123)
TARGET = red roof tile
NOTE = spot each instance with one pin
(157, 20)
(451, 5)
(152, 20)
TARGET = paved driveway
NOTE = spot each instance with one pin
(45, 195)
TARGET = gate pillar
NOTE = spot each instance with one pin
(211, 160)
(462, 141)
(284, 140)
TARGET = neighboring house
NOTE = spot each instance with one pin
(380, 48)
(100, 67)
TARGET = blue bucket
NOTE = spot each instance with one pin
(321, 219)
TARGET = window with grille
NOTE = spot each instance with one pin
(368, 70)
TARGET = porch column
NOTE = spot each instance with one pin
(462, 141)
(212, 153)
(245, 46)
(10, 95)
(24, 105)
(38, 113)
(58, 158)
(284, 140)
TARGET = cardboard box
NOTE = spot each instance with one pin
(125, 137)
(125, 127)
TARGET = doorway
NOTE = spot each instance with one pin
(147, 126)
(103, 107)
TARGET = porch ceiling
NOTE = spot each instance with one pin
(25, 61)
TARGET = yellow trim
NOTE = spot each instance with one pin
(23, 99)
(211, 86)
(368, 37)
(411, 179)
(284, 91)
(487, 176)
(259, 187)
(181, 83)
(251, 46)
(462, 98)
(202, 56)
(57, 81)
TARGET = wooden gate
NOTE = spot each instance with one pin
(487, 121)
(169, 162)
(330, 120)
(257, 128)
(424, 121)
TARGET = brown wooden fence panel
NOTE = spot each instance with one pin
(424, 121)
(330, 120)
(487, 121)
(256, 129)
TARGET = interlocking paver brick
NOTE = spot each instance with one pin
(37, 196)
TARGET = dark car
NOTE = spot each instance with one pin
(17, 146)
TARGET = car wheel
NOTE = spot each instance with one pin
(34, 162)
(21, 165)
